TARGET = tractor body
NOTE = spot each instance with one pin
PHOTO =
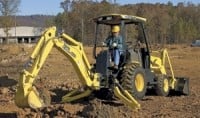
(138, 70)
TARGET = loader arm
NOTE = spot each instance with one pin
(158, 65)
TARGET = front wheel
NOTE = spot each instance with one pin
(134, 81)
(162, 87)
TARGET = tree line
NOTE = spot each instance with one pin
(166, 23)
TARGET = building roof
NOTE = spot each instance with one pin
(22, 31)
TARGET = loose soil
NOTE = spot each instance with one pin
(59, 77)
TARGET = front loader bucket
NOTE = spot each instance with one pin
(182, 85)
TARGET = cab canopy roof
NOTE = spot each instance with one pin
(115, 19)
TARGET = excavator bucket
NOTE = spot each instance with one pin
(28, 96)
(32, 98)
(20, 98)
(182, 85)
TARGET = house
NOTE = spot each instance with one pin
(21, 34)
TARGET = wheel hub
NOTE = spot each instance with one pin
(139, 82)
(166, 85)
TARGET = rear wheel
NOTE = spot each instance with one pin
(133, 80)
(162, 87)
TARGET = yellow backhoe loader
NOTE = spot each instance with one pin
(139, 69)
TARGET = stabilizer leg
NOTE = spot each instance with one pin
(125, 96)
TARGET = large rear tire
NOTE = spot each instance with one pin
(162, 87)
(134, 81)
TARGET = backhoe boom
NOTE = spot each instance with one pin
(72, 49)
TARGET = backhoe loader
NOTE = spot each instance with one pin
(139, 69)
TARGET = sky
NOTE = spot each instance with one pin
(52, 7)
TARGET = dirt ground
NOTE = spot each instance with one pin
(58, 76)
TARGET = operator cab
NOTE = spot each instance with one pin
(135, 58)
(132, 32)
